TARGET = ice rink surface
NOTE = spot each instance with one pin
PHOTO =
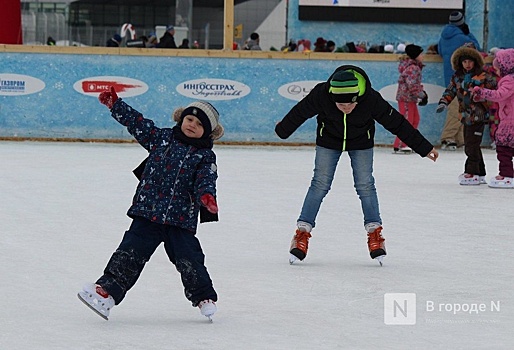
(447, 279)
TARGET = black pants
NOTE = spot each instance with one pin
(138, 245)
(472, 140)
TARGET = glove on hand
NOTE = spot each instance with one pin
(440, 108)
(108, 98)
(209, 202)
(424, 99)
(477, 94)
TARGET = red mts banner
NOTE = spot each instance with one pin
(10, 22)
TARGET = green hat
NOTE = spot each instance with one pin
(344, 87)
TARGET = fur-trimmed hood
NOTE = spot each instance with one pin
(466, 50)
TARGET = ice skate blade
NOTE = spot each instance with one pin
(91, 307)
(292, 259)
(380, 259)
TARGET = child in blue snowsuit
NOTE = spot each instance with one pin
(177, 182)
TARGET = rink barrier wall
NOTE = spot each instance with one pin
(50, 93)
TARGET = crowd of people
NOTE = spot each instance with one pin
(467, 75)
(166, 41)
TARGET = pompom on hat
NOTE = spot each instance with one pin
(206, 113)
(413, 51)
(344, 87)
(456, 18)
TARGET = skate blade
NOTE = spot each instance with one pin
(380, 259)
(91, 307)
(210, 319)
(292, 259)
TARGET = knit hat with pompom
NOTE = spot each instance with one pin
(206, 113)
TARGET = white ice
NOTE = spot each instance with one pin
(63, 211)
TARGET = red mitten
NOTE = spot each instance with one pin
(108, 98)
(209, 202)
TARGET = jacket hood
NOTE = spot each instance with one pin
(449, 31)
(466, 51)
(505, 61)
(360, 74)
(406, 61)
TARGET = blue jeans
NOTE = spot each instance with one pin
(325, 165)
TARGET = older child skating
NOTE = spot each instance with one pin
(504, 137)
(346, 108)
(467, 63)
(179, 178)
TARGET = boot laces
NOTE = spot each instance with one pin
(375, 239)
(302, 240)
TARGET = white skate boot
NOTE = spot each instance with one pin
(501, 182)
(97, 299)
(207, 308)
(466, 179)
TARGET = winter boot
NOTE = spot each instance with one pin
(300, 242)
(207, 308)
(376, 243)
(97, 299)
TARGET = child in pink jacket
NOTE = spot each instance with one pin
(410, 90)
(504, 95)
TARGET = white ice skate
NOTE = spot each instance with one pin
(466, 179)
(96, 302)
(208, 308)
(501, 182)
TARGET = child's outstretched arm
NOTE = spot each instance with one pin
(505, 91)
(143, 130)
(448, 95)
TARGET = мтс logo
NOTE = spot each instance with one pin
(400, 308)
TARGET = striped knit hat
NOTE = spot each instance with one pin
(207, 114)
(344, 87)
(456, 18)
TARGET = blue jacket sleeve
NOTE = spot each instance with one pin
(143, 130)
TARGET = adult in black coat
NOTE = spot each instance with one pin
(167, 41)
(347, 107)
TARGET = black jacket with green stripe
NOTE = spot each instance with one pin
(356, 130)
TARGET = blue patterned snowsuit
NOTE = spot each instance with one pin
(164, 209)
